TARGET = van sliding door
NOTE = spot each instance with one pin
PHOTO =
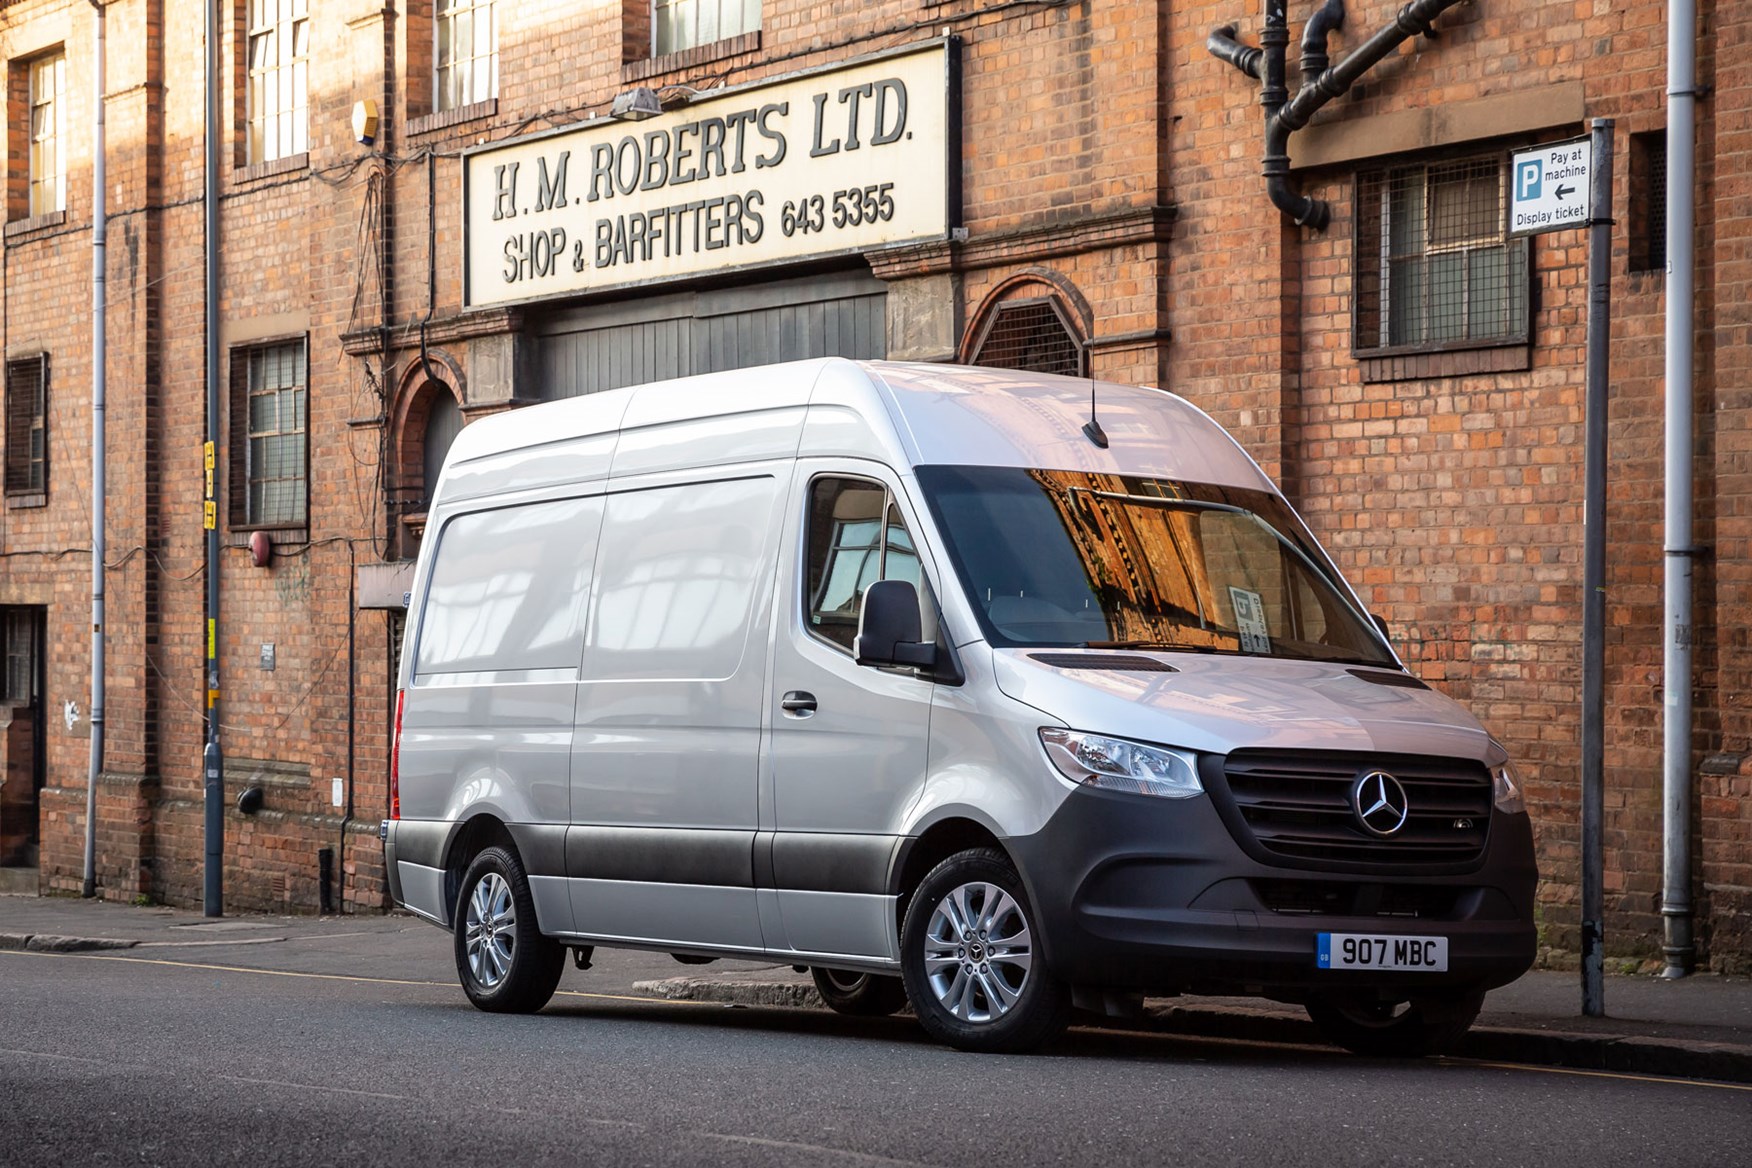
(666, 753)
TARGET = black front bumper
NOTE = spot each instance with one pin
(1138, 893)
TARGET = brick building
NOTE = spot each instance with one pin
(562, 198)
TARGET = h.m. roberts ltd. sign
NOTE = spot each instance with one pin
(819, 164)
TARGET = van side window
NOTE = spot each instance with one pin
(856, 537)
(508, 587)
(678, 579)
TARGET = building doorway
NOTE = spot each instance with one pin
(23, 769)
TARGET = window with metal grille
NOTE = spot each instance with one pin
(1434, 268)
(1648, 201)
(1032, 335)
(269, 436)
(467, 53)
(48, 130)
(27, 425)
(18, 634)
(685, 24)
(279, 67)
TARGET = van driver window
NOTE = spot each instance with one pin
(856, 537)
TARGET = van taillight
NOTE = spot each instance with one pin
(395, 759)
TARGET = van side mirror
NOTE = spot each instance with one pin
(1381, 623)
(888, 628)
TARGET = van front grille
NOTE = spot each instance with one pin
(1296, 805)
(1331, 898)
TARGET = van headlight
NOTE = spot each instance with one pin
(1115, 764)
(1505, 789)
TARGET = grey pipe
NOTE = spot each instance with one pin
(1320, 26)
(212, 758)
(99, 362)
(1680, 554)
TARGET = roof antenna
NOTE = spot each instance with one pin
(1092, 428)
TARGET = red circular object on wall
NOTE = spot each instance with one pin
(261, 549)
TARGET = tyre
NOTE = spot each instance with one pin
(862, 995)
(506, 966)
(971, 960)
(1396, 1029)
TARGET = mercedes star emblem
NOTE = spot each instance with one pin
(1380, 803)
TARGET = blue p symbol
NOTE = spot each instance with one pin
(1529, 178)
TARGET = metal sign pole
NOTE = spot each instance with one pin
(1594, 574)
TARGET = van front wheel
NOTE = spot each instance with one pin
(506, 966)
(971, 959)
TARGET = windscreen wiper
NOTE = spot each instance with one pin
(1164, 646)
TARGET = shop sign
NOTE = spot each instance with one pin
(823, 163)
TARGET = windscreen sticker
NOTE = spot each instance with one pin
(1250, 620)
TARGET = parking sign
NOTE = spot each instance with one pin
(1551, 187)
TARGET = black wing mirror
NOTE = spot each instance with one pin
(888, 628)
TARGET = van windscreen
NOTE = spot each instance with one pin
(1076, 558)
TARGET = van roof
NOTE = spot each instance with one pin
(917, 414)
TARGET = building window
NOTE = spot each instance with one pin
(1648, 202)
(27, 426)
(48, 125)
(686, 24)
(279, 64)
(1031, 335)
(467, 53)
(269, 436)
(1434, 267)
(18, 636)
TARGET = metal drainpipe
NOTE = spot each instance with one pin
(99, 361)
(1274, 40)
(1679, 553)
(1284, 118)
(212, 758)
(1314, 34)
(1223, 45)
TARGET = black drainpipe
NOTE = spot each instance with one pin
(1285, 115)
(1320, 26)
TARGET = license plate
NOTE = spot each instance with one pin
(1371, 951)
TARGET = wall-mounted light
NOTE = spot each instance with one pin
(261, 549)
(365, 122)
(635, 105)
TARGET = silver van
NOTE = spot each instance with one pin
(994, 693)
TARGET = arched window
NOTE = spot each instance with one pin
(1030, 334)
(443, 424)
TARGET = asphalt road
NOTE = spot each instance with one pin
(359, 1048)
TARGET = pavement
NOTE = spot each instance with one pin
(1695, 1027)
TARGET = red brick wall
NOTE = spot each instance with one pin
(1455, 502)
(1104, 151)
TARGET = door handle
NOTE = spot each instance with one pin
(798, 703)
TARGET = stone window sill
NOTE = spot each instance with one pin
(20, 227)
(735, 46)
(1447, 363)
(444, 119)
(261, 170)
(28, 499)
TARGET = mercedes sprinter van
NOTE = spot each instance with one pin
(991, 692)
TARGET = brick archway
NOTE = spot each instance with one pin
(405, 483)
(1035, 319)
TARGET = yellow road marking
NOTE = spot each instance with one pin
(343, 977)
(1625, 1075)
